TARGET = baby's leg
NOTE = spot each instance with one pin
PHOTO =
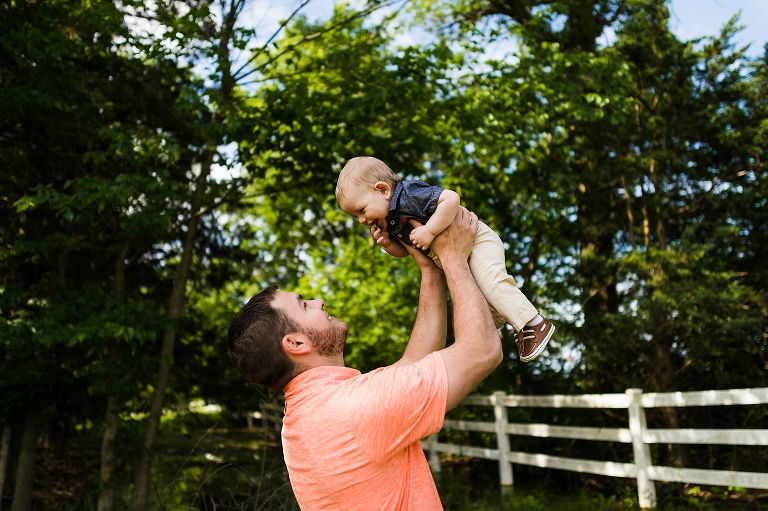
(489, 269)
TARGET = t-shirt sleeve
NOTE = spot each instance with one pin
(419, 199)
(399, 405)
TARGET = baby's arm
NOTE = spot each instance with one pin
(447, 207)
(391, 247)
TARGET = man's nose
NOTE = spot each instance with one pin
(317, 303)
(362, 220)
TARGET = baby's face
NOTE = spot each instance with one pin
(369, 204)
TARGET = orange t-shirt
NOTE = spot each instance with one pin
(352, 441)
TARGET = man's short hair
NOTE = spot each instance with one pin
(254, 342)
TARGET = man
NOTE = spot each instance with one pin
(352, 441)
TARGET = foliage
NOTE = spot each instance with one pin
(89, 178)
(626, 177)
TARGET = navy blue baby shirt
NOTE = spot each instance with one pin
(410, 199)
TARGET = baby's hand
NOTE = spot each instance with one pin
(381, 236)
(421, 237)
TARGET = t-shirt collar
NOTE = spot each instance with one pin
(310, 378)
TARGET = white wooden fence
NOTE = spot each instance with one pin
(636, 434)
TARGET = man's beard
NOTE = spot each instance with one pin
(328, 342)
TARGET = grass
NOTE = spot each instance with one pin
(523, 500)
(234, 469)
(201, 465)
(693, 499)
(224, 469)
(472, 485)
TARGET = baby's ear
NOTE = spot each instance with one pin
(382, 188)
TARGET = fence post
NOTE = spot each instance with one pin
(646, 490)
(434, 455)
(502, 441)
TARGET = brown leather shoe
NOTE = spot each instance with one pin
(532, 340)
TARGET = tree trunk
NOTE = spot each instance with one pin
(630, 214)
(25, 471)
(664, 381)
(175, 311)
(661, 342)
(661, 231)
(112, 416)
(108, 458)
(176, 301)
(5, 452)
(598, 282)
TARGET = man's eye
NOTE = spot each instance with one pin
(305, 305)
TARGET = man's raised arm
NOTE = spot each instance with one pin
(431, 326)
(477, 350)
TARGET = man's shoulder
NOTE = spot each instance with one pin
(317, 383)
(406, 373)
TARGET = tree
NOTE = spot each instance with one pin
(160, 177)
(349, 92)
(218, 41)
(90, 139)
(617, 153)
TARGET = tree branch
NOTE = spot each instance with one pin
(272, 58)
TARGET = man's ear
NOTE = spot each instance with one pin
(383, 188)
(296, 343)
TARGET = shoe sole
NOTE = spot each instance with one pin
(541, 346)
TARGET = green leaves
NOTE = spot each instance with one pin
(625, 177)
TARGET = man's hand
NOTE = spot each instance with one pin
(456, 241)
(424, 261)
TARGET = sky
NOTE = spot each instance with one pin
(690, 19)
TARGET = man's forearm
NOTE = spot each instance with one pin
(476, 351)
(472, 320)
(431, 326)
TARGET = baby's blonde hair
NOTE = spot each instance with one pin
(363, 170)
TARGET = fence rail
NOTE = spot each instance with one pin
(637, 434)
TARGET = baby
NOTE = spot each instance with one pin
(368, 190)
